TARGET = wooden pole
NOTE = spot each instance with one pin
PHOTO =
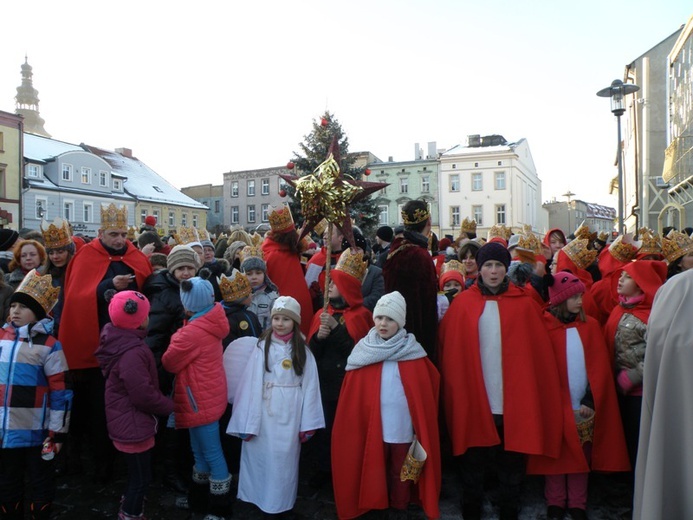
(328, 265)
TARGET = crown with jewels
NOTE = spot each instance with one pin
(499, 231)
(578, 252)
(113, 217)
(57, 234)
(419, 215)
(675, 245)
(651, 245)
(351, 262)
(251, 251)
(40, 288)
(204, 234)
(235, 287)
(583, 233)
(529, 242)
(468, 226)
(624, 248)
(451, 265)
(186, 235)
(281, 220)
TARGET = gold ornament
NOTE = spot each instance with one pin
(40, 288)
(113, 217)
(235, 287)
(57, 234)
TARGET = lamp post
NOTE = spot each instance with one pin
(617, 91)
(569, 194)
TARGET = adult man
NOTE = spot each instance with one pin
(110, 262)
(383, 237)
(409, 269)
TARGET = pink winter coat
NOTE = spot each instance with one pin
(195, 356)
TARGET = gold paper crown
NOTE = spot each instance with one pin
(583, 232)
(57, 234)
(499, 231)
(320, 227)
(186, 235)
(238, 234)
(351, 262)
(113, 217)
(235, 287)
(251, 251)
(132, 233)
(203, 234)
(452, 265)
(468, 226)
(675, 245)
(651, 244)
(530, 242)
(419, 215)
(40, 288)
(604, 236)
(624, 248)
(577, 251)
(280, 219)
(256, 239)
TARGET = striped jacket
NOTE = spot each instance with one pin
(33, 397)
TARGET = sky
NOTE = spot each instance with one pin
(197, 89)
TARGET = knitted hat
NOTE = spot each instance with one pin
(287, 306)
(182, 256)
(565, 285)
(207, 243)
(359, 241)
(196, 294)
(128, 309)
(150, 220)
(493, 251)
(253, 263)
(443, 244)
(7, 239)
(468, 246)
(393, 306)
(385, 233)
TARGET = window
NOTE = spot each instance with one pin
(265, 213)
(425, 184)
(41, 208)
(68, 210)
(500, 214)
(476, 165)
(33, 170)
(399, 214)
(251, 213)
(217, 206)
(117, 184)
(234, 189)
(171, 218)
(383, 216)
(234, 214)
(156, 215)
(478, 212)
(143, 216)
(103, 178)
(455, 182)
(67, 172)
(88, 211)
(454, 216)
(500, 180)
(157, 189)
(184, 219)
(3, 180)
(404, 185)
(454, 166)
(265, 186)
(477, 182)
(251, 188)
(86, 175)
(194, 220)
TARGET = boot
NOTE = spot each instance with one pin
(41, 510)
(198, 494)
(220, 499)
(12, 511)
(122, 515)
(171, 452)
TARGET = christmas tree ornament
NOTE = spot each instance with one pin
(324, 121)
(290, 165)
(282, 193)
(368, 171)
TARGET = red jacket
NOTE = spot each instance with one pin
(195, 356)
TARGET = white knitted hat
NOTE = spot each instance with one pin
(287, 306)
(393, 306)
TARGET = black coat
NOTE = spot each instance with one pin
(331, 356)
(242, 322)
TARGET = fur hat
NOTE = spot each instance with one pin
(182, 256)
(385, 233)
(128, 309)
(287, 306)
(393, 306)
(565, 284)
(493, 251)
(196, 294)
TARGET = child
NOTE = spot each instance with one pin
(199, 395)
(450, 283)
(133, 399)
(276, 408)
(236, 297)
(32, 373)
(389, 397)
(264, 291)
(592, 433)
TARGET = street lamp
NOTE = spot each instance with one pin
(569, 194)
(617, 91)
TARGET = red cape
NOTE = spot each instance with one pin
(285, 270)
(79, 323)
(358, 458)
(604, 295)
(609, 451)
(564, 263)
(531, 387)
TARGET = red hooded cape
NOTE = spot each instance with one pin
(531, 387)
(79, 323)
(564, 263)
(609, 451)
(358, 457)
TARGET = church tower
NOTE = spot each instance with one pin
(28, 103)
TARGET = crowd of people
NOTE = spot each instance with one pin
(507, 355)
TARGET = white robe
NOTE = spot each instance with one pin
(274, 406)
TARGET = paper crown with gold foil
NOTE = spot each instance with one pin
(675, 245)
(499, 231)
(468, 226)
(624, 248)
(113, 217)
(132, 233)
(203, 234)
(583, 232)
(40, 288)
(235, 287)
(281, 220)
(650, 243)
(57, 234)
(418, 215)
(320, 227)
(452, 265)
(603, 236)
(251, 251)
(351, 262)
(529, 241)
(256, 239)
(577, 251)
(186, 235)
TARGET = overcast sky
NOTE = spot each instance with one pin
(197, 89)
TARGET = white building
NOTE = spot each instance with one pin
(491, 181)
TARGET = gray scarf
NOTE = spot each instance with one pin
(373, 349)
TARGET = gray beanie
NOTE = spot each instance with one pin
(393, 306)
(253, 262)
(182, 256)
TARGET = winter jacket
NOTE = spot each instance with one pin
(14, 278)
(195, 356)
(166, 314)
(263, 299)
(133, 399)
(35, 400)
(373, 287)
(242, 322)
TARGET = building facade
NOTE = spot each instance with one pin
(11, 162)
(212, 197)
(569, 215)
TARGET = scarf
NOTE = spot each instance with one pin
(630, 301)
(373, 349)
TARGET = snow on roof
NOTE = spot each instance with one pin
(39, 148)
(476, 150)
(143, 182)
(599, 211)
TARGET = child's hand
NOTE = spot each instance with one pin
(305, 436)
(586, 411)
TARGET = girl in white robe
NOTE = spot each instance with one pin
(277, 407)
